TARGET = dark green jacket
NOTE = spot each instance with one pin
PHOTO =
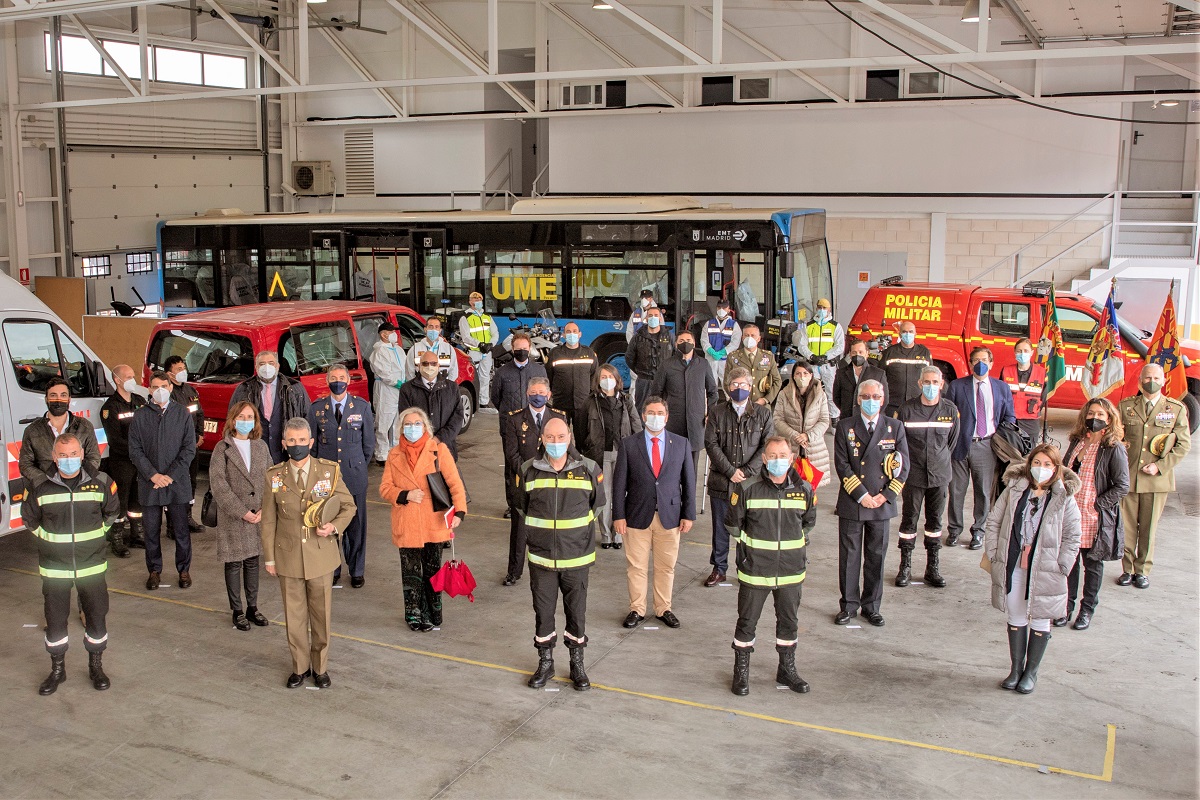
(558, 510)
(70, 525)
(769, 524)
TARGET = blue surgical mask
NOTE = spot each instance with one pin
(69, 466)
(414, 432)
(930, 392)
(739, 394)
(822, 317)
(652, 323)
(907, 339)
(432, 334)
(244, 426)
(981, 368)
(538, 400)
(556, 449)
(1023, 359)
(778, 467)
(871, 406)
(477, 305)
(571, 338)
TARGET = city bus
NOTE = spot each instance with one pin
(582, 260)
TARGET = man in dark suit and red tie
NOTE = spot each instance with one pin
(654, 503)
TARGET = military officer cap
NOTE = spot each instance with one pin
(1162, 443)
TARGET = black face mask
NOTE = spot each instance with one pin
(57, 407)
(858, 361)
(1095, 424)
(521, 355)
(338, 387)
(538, 400)
(298, 452)
(685, 347)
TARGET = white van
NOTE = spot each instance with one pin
(35, 346)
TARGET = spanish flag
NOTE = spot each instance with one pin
(1164, 349)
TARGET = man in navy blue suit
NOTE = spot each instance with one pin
(983, 403)
(654, 503)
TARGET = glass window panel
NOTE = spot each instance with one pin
(188, 279)
(327, 266)
(523, 282)
(319, 347)
(79, 56)
(97, 266)
(128, 57)
(607, 285)
(177, 66)
(752, 284)
(239, 277)
(810, 263)
(289, 274)
(461, 274)
(382, 276)
(33, 353)
(1004, 319)
(75, 366)
(1077, 327)
(227, 71)
(411, 329)
(210, 357)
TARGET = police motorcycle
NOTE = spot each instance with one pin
(544, 336)
(777, 337)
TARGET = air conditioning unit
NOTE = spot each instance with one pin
(312, 178)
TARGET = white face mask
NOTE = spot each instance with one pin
(750, 342)
(655, 422)
(161, 395)
(181, 377)
(1041, 474)
(608, 384)
(267, 372)
(130, 386)
(722, 313)
(645, 302)
(391, 337)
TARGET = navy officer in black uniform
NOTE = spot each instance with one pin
(870, 454)
(343, 429)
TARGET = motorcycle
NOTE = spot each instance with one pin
(543, 335)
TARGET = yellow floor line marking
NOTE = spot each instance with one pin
(470, 514)
(1106, 774)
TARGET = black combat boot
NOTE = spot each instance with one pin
(933, 548)
(1033, 659)
(545, 667)
(904, 576)
(1018, 638)
(579, 678)
(786, 674)
(58, 674)
(100, 681)
(116, 539)
(741, 670)
(137, 535)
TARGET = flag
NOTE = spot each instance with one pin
(1050, 350)
(1105, 368)
(1164, 350)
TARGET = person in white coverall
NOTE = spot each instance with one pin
(387, 362)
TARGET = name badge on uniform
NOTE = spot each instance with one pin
(887, 444)
(355, 420)
(276, 482)
(322, 489)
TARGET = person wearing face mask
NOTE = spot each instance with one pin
(611, 417)
(512, 379)
(559, 494)
(237, 473)
(162, 444)
(734, 438)
(1025, 380)
(1031, 542)
(419, 528)
(186, 395)
(802, 417)
(304, 557)
(438, 397)
(116, 415)
(722, 335)
(821, 343)
(855, 369)
(388, 363)
(686, 383)
(1096, 454)
(648, 350)
(70, 512)
(903, 363)
(36, 461)
(637, 320)
(433, 342)
(870, 454)
(654, 504)
(342, 427)
(931, 426)
(773, 515)
(479, 335)
(1156, 430)
(983, 404)
(572, 369)
(521, 434)
(765, 380)
(277, 398)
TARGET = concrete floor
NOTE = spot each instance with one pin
(198, 709)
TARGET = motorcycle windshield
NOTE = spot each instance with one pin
(546, 318)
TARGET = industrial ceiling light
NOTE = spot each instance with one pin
(600, 5)
(312, 2)
(1169, 103)
(971, 11)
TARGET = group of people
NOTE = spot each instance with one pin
(590, 464)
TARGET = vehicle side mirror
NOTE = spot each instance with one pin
(512, 317)
(100, 380)
(787, 267)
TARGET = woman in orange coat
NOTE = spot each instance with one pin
(417, 529)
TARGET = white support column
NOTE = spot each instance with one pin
(541, 94)
(937, 247)
(143, 33)
(14, 179)
(493, 36)
(691, 83)
(985, 13)
(718, 31)
(302, 41)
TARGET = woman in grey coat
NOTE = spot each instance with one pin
(1031, 539)
(611, 417)
(237, 476)
(802, 417)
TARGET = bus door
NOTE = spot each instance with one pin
(329, 270)
(429, 270)
(737, 275)
(382, 268)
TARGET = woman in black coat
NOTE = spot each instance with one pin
(610, 418)
(1096, 451)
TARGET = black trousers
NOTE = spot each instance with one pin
(516, 532)
(641, 390)
(546, 585)
(354, 541)
(124, 474)
(417, 566)
(861, 544)
(933, 499)
(237, 575)
(177, 514)
(751, 600)
(194, 472)
(93, 598)
(1093, 577)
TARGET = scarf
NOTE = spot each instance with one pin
(413, 450)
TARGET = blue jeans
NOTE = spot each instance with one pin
(719, 507)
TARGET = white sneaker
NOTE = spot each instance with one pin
(487, 410)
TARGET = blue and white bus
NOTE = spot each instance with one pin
(586, 260)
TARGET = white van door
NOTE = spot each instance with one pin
(10, 480)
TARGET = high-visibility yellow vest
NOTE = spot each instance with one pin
(820, 337)
(481, 328)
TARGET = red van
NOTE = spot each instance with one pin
(219, 346)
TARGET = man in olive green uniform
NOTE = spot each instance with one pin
(1156, 432)
(304, 557)
(765, 380)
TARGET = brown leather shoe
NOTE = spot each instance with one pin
(716, 577)
(152, 581)
(185, 580)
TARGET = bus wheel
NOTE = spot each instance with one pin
(468, 404)
(1192, 404)
(612, 351)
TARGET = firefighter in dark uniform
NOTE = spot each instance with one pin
(903, 363)
(187, 396)
(69, 513)
(771, 516)
(560, 492)
(931, 425)
(116, 414)
(870, 454)
(521, 433)
(572, 371)
(343, 431)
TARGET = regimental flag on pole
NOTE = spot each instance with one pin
(1164, 350)
(1105, 368)
(1050, 352)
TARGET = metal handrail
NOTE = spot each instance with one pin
(533, 188)
(506, 183)
(1018, 280)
